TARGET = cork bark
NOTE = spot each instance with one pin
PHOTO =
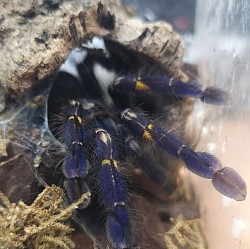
(35, 38)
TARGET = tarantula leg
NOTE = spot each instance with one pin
(229, 183)
(200, 163)
(172, 86)
(76, 165)
(114, 192)
(146, 161)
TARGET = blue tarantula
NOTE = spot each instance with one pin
(109, 107)
(107, 110)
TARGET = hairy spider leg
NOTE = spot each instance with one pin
(173, 144)
(114, 192)
(175, 87)
(76, 165)
(226, 181)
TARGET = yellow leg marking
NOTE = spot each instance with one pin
(115, 164)
(106, 161)
(146, 134)
(139, 85)
(72, 117)
(150, 126)
(79, 119)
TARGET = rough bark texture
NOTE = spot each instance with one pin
(35, 37)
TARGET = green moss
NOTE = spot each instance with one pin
(40, 225)
(186, 234)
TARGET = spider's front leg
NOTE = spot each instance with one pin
(175, 87)
(113, 191)
(76, 165)
(225, 180)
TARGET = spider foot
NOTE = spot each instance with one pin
(228, 182)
